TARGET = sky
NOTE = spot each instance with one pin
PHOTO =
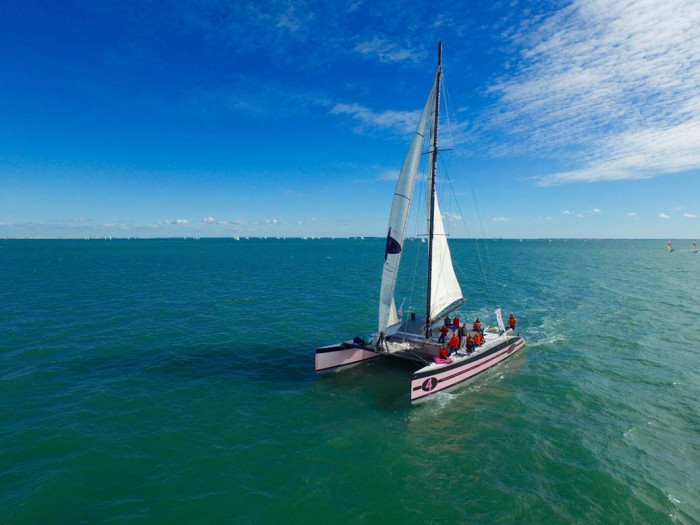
(291, 118)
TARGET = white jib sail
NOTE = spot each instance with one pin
(445, 288)
(399, 218)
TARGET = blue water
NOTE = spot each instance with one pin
(172, 381)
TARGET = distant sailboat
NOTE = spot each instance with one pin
(416, 339)
(668, 245)
(695, 250)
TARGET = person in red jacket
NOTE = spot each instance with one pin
(443, 332)
(478, 339)
(477, 326)
(512, 322)
(454, 343)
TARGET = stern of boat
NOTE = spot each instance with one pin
(342, 355)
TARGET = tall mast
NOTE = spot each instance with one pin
(433, 167)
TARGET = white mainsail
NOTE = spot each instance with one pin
(398, 219)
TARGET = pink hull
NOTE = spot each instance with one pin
(426, 384)
(336, 357)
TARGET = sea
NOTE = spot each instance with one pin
(172, 381)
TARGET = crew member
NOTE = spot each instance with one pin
(443, 332)
(512, 322)
(454, 343)
(470, 344)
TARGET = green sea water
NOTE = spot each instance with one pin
(172, 381)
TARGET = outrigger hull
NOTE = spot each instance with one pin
(436, 378)
(343, 355)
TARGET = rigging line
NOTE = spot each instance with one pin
(448, 179)
(476, 207)
(476, 244)
(416, 224)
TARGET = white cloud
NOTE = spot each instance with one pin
(271, 221)
(689, 215)
(180, 221)
(616, 81)
(566, 212)
(451, 217)
(391, 175)
(500, 219)
(663, 216)
(631, 214)
(209, 220)
(399, 121)
(386, 51)
(596, 210)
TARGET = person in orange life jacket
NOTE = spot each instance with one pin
(478, 339)
(455, 322)
(512, 322)
(444, 353)
(454, 343)
(443, 332)
(470, 344)
(477, 326)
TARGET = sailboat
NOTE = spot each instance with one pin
(416, 339)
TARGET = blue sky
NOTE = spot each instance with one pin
(215, 118)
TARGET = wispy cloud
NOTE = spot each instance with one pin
(631, 214)
(689, 215)
(209, 219)
(180, 221)
(566, 212)
(663, 216)
(398, 121)
(389, 174)
(500, 219)
(596, 210)
(612, 85)
(387, 51)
